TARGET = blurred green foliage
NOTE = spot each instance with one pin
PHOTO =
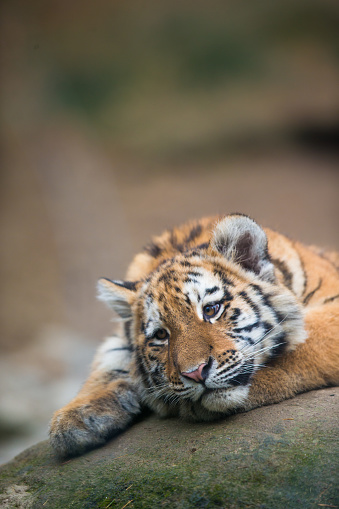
(162, 76)
(86, 91)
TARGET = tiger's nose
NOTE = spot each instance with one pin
(198, 375)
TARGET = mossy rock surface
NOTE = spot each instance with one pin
(281, 456)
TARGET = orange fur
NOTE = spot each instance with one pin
(219, 316)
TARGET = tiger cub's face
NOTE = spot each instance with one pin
(204, 322)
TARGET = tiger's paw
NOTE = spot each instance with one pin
(81, 426)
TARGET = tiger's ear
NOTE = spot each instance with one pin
(241, 240)
(118, 295)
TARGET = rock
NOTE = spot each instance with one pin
(280, 456)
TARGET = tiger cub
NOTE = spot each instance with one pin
(218, 315)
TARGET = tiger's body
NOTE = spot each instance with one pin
(218, 316)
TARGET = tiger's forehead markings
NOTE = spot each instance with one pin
(189, 281)
(174, 270)
(180, 270)
(204, 287)
(209, 291)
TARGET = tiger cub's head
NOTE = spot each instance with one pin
(203, 322)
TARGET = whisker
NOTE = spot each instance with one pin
(263, 350)
(172, 398)
(249, 347)
(156, 388)
(159, 386)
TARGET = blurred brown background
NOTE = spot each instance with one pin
(120, 119)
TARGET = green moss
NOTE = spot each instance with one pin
(187, 485)
(169, 464)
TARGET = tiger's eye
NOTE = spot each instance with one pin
(211, 310)
(161, 334)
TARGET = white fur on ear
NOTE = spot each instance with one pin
(241, 240)
(118, 295)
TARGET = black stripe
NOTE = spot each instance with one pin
(228, 368)
(191, 280)
(154, 250)
(152, 357)
(246, 338)
(331, 299)
(266, 300)
(194, 252)
(268, 327)
(310, 294)
(166, 276)
(194, 233)
(247, 328)
(236, 313)
(175, 244)
(194, 274)
(288, 277)
(129, 285)
(128, 331)
(233, 336)
(304, 273)
(205, 245)
(280, 345)
(226, 306)
(242, 378)
(208, 291)
(249, 301)
(223, 277)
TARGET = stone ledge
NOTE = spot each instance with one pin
(280, 456)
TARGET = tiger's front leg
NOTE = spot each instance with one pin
(105, 405)
(312, 365)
